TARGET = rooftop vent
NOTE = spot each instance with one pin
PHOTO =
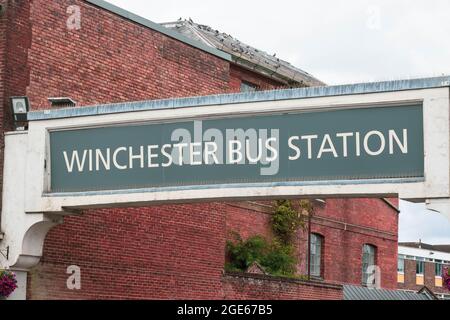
(62, 102)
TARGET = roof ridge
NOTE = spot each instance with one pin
(242, 51)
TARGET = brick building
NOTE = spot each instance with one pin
(172, 251)
(421, 264)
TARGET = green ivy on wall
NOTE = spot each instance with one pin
(277, 257)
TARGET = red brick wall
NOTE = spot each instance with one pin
(249, 219)
(164, 252)
(15, 39)
(259, 287)
(239, 74)
(15, 57)
(3, 25)
(346, 225)
(111, 59)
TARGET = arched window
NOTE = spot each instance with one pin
(368, 262)
(316, 255)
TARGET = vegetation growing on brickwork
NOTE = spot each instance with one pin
(277, 257)
(286, 220)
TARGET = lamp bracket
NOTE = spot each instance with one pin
(5, 252)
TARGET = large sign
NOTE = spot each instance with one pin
(365, 140)
(370, 143)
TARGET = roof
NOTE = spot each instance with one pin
(245, 55)
(421, 245)
(414, 253)
(442, 247)
(157, 27)
(274, 95)
(364, 293)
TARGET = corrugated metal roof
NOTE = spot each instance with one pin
(363, 293)
(421, 245)
(244, 54)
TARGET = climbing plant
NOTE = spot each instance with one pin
(286, 220)
(276, 256)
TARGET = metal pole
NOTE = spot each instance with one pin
(309, 245)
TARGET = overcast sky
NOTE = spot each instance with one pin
(338, 41)
(418, 223)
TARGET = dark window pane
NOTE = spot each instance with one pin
(316, 255)
(420, 267)
(401, 265)
(368, 260)
(438, 269)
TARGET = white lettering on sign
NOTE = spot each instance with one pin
(75, 158)
(377, 138)
(402, 145)
(327, 146)
(345, 137)
(378, 151)
(238, 147)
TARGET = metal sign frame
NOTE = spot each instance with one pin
(433, 93)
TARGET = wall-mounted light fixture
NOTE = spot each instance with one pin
(5, 252)
(20, 107)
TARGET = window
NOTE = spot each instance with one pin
(420, 266)
(401, 265)
(438, 269)
(248, 87)
(368, 260)
(316, 255)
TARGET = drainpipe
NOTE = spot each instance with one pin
(309, 246)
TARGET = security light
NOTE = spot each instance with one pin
(20, 107)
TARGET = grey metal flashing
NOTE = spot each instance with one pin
(235, 186)
(390, 205)
(274, 95)
(157, 27)
(262, 70)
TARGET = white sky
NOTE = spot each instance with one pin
(338, 41)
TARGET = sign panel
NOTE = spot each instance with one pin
(373, 143)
